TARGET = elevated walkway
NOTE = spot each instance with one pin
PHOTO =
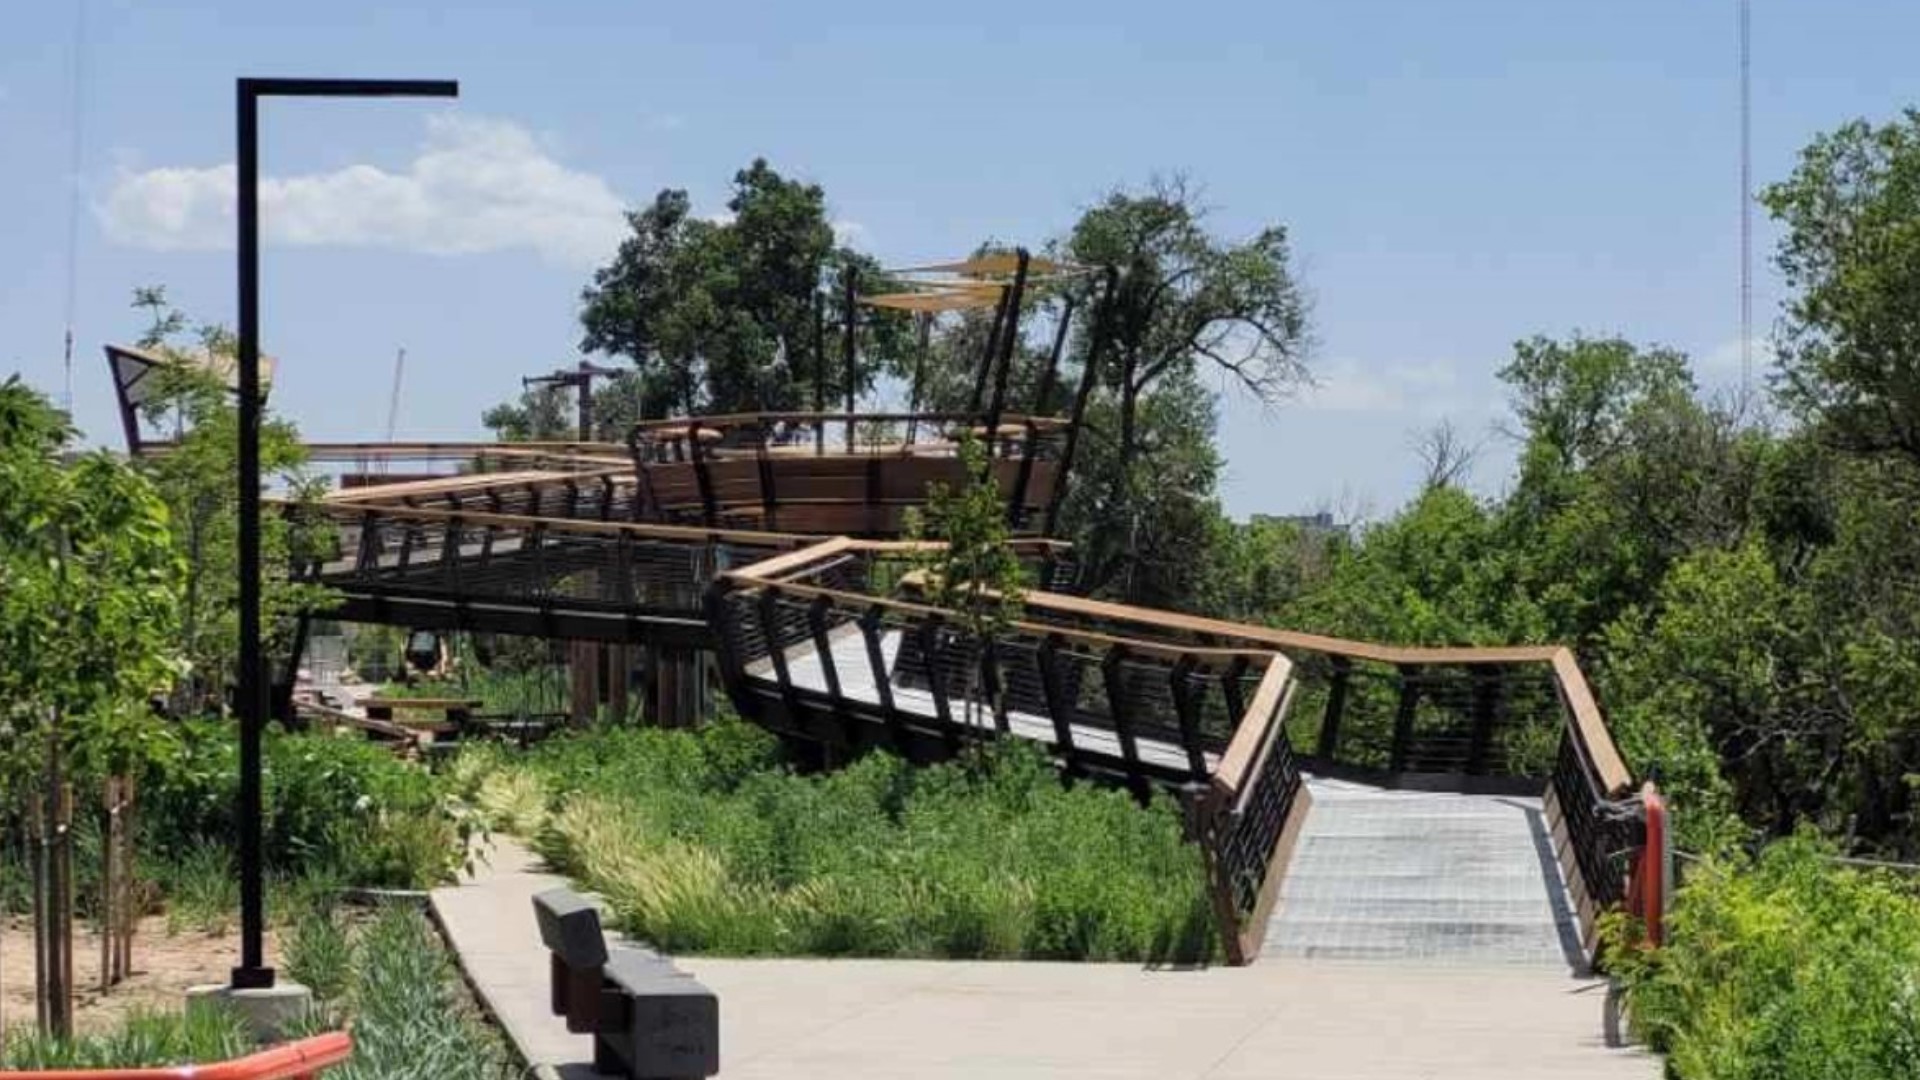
(1517, 821)
(1467, 804)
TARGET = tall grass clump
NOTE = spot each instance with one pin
(391, 979)
(703, 842)
(1781, 967)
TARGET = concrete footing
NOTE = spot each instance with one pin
(269, 1012)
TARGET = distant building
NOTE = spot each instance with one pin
(1318, 525)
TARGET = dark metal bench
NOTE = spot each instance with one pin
(649, 1020)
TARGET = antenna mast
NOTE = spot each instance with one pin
(1746, 197)
(393, 399)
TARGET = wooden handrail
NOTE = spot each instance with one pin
(329, 451)
(287, 1061)
(471, 482)
(768, 569)
(679, 425)
(351, 514)
(1158, 649)
(1231, 774)
(1584, 717)
(1590, 727)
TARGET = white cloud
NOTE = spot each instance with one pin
(476, 185)
(846, 233)
(1425, 388)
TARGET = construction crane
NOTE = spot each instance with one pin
(580, 377)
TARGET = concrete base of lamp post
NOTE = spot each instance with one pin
(269, 1013)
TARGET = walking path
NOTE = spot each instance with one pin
(898, 1019)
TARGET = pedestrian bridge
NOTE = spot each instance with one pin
(1353, 800)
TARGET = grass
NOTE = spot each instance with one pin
(703, 842)
(386, 976)
(147, 1039)
(394, 982)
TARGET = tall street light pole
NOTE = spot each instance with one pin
(253, 974)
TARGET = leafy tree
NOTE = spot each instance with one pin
(89, 599)
(1257, 569)
(1144, 530)
(195, 479)
(1622, 471)
(1439, 573)
(89, 603)
(1576, 399)
(970, 569)
(1849, 345)
(1188, 299)
(542, 413)
(718, 316)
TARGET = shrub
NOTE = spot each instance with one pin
(336, 804)
(701, 842)
(1781, 967)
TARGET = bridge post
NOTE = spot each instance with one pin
(1486, 711)
(1403, 722)
(1329, 747)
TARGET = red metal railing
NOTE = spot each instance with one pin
(1650, 881)
(297, 1060)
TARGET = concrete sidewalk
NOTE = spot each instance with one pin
(894, 1019)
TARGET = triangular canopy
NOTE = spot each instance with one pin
(993, 264)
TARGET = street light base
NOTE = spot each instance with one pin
(269, 1012)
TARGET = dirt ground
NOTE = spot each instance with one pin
(163, 968)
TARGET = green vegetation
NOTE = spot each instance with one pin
(385, 975)
(391, 979)
(147, 1039)
(338, 808)
(702, 842)
(1782, 966)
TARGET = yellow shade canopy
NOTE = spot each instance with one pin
(936, 300)
(993, 264)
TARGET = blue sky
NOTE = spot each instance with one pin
(1454, 175)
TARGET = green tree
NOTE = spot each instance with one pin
(1188, 298)
(89, 604)
(1849, 345)
(540, 414)
(718, 316)
(1622, 471)
(969, 568)
(1144, 530)
(195, 480)
(1438, 573)
(1188, 301)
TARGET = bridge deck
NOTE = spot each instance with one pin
(859, 682)
(1424, 877)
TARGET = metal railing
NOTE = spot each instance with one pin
(820, 643)
(558, 578)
